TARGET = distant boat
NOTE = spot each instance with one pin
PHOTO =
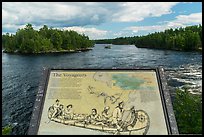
(107, 47)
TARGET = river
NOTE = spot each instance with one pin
(21, 73)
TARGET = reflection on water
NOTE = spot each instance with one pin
(21, 73)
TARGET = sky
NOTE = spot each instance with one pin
(101, 20)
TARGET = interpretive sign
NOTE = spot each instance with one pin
(115, 102)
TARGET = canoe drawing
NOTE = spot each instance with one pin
(131, 122)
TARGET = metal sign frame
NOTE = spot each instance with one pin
(162, 84)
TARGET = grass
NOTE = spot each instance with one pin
(7, 130)
(188, 112)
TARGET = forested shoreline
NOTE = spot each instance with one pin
(46, 40)
(182, 39)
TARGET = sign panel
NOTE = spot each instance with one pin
(101, 102)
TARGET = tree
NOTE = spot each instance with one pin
(44, 31)
(56, 40)
(189, 38)
(28, 40)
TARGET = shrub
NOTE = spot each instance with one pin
(188, 112)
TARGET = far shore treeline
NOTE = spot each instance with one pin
(184, 39)
(28, 40)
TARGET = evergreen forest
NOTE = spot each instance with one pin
(28, 40)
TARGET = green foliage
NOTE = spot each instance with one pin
(187, 39)
(28, 40)
(6, 130)
(188, 112)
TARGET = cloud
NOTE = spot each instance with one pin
(93, 33)
(79, 15)
(122, 34)
(64, 14)
(12, 28)
(137, 11)
(180, 21)
(188, 19)
(53, 14)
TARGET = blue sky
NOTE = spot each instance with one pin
(100, 20)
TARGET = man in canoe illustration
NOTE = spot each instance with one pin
(56, 108)
(106, 116)
(60, 112)
(94, 117)
(129, 119)
(117, 115)
(68, 113)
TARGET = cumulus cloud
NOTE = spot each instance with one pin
(53, 14)
(93, 33)
(188, 19)
(123, 34)
(137, 11)
(12, 27)
(180, 21)
(63, 14)
(78, 15)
